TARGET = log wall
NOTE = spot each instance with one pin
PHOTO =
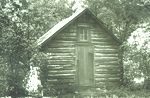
(61, 50)
(108, 69)
(62, 56)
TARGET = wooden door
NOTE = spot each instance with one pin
(85, 73)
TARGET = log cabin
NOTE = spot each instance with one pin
(82, 51)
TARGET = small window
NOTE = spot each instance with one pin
(84, 34)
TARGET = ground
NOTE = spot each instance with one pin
(104, 93)
(119, 92)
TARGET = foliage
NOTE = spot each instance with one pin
(44, 14)
(17, 20)
(14, 44)
(122, 18)
(136, 56)
(113, 92)
(60, 89)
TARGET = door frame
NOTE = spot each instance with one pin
(76, 61)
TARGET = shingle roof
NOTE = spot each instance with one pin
(65, 23)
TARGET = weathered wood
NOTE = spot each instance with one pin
(107, 79)
(104, 43)
(105, 55)
(107, 75)
(107, 72)
(106, 51)
(109, 68)
(62, 77)
(57, 81)
(61, 54)
(60, 50)
(94, 30)
(66, 35)
(58, 45)
(102, 39)
(62, 61)
(62, 58)
(106, 47)
(100, 35)
(60, 67)
(65, 38)
(69, 64)
(106, 58)
(106, 62)
(64, 42)
(61, 72)
(99, 66)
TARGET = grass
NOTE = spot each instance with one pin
(108, 93)
(104, 92)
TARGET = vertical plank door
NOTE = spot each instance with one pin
(85, 65)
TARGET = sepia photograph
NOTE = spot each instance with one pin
(74, 48)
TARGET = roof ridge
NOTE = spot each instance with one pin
(65, 22)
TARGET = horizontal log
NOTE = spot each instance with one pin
(103, 39)
(113, 67)
(65, 75)
(117, 68)
(63, 42)
(107, 75)
(106, 58)
(100, 66)
(100, 34)
(103, 61)
(108, 68)
(67, 34)
(72, 30)
(60, 50)
(106, 62)
(106, 55)
(62, 77)
(96, 31)
(60, 81)
(106, 46)
(57, 62)
(104, 43)
(61, 54)
(68, 30)
(107, 72)
(106, 51)
(61, 58)
(60, 84)
(107, 79)
(60, 67)
(61, 72)
(65, 38)
(60, 45)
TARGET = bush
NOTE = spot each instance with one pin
(136, 58)
(60, 89)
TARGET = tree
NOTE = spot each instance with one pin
(136, 55)
(15, 43)
(44, 14)
(120, 16)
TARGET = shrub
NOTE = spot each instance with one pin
(60, 89)
(136, 57)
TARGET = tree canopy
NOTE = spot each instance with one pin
(22, 22)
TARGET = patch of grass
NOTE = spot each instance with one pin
(114, 92)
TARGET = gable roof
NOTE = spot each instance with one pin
(61, 25)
